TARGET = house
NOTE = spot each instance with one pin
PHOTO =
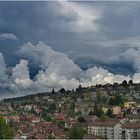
(116, 110)
(4, 110)
(105, 109)
(24, 132)
(131, 130)
(13, 118)
(60, 116)
(26, 119)
(69, 122)
(83, 108)
(34, 118)
(128, 105)
(28, 107)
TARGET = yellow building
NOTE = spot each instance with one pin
(128, 105)
(116, 110)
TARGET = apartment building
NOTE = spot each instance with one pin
(109, 129)
(130, 130)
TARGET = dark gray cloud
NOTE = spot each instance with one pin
(90, 33)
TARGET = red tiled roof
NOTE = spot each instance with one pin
(60, 116)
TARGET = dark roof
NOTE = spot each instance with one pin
(108, 122)
(133, 116)
(132, 125)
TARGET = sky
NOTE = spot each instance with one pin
(55, 44)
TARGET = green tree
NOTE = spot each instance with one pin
(51, 107)
(124, 83)
(53, 92)
(130, 82)
(112, 101)
(76, 132)
(72, 105)
(116, 100)
(61, 124)
(97, 110)
(6, 131)
(109, 113)
(50, 136)
(81, 119)
(47, 118)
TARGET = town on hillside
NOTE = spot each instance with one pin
(110, 111)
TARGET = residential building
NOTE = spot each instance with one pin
(109, 129)
(131, 130)
(116, 110)
(128, 105)
(132, 118)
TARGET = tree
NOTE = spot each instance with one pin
(76, 132)
(79, 89)
(109, 113)
(91, 113)
(72, 105)
(53, 92)
(51, 107)
(81, 119)
(6, 131)
(50, 136)
(131, 82)
(97, 110)
(61, 124)
(62, 90)
(112, 101)
(47, 118)
(124, 83)
(116, 100)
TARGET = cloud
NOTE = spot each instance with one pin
(116, 22)
(130, 42)
(8, 36)
(20, 76)
(130, 56)
(57, 70)
(3, 75)
(55, 67)
(75, 17)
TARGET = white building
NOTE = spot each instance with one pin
(109, 129)
(131, 130)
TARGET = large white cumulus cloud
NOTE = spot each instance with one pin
(56, 71)
(56, 68)
(20, 76)
(60, 71)
(99, 75)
